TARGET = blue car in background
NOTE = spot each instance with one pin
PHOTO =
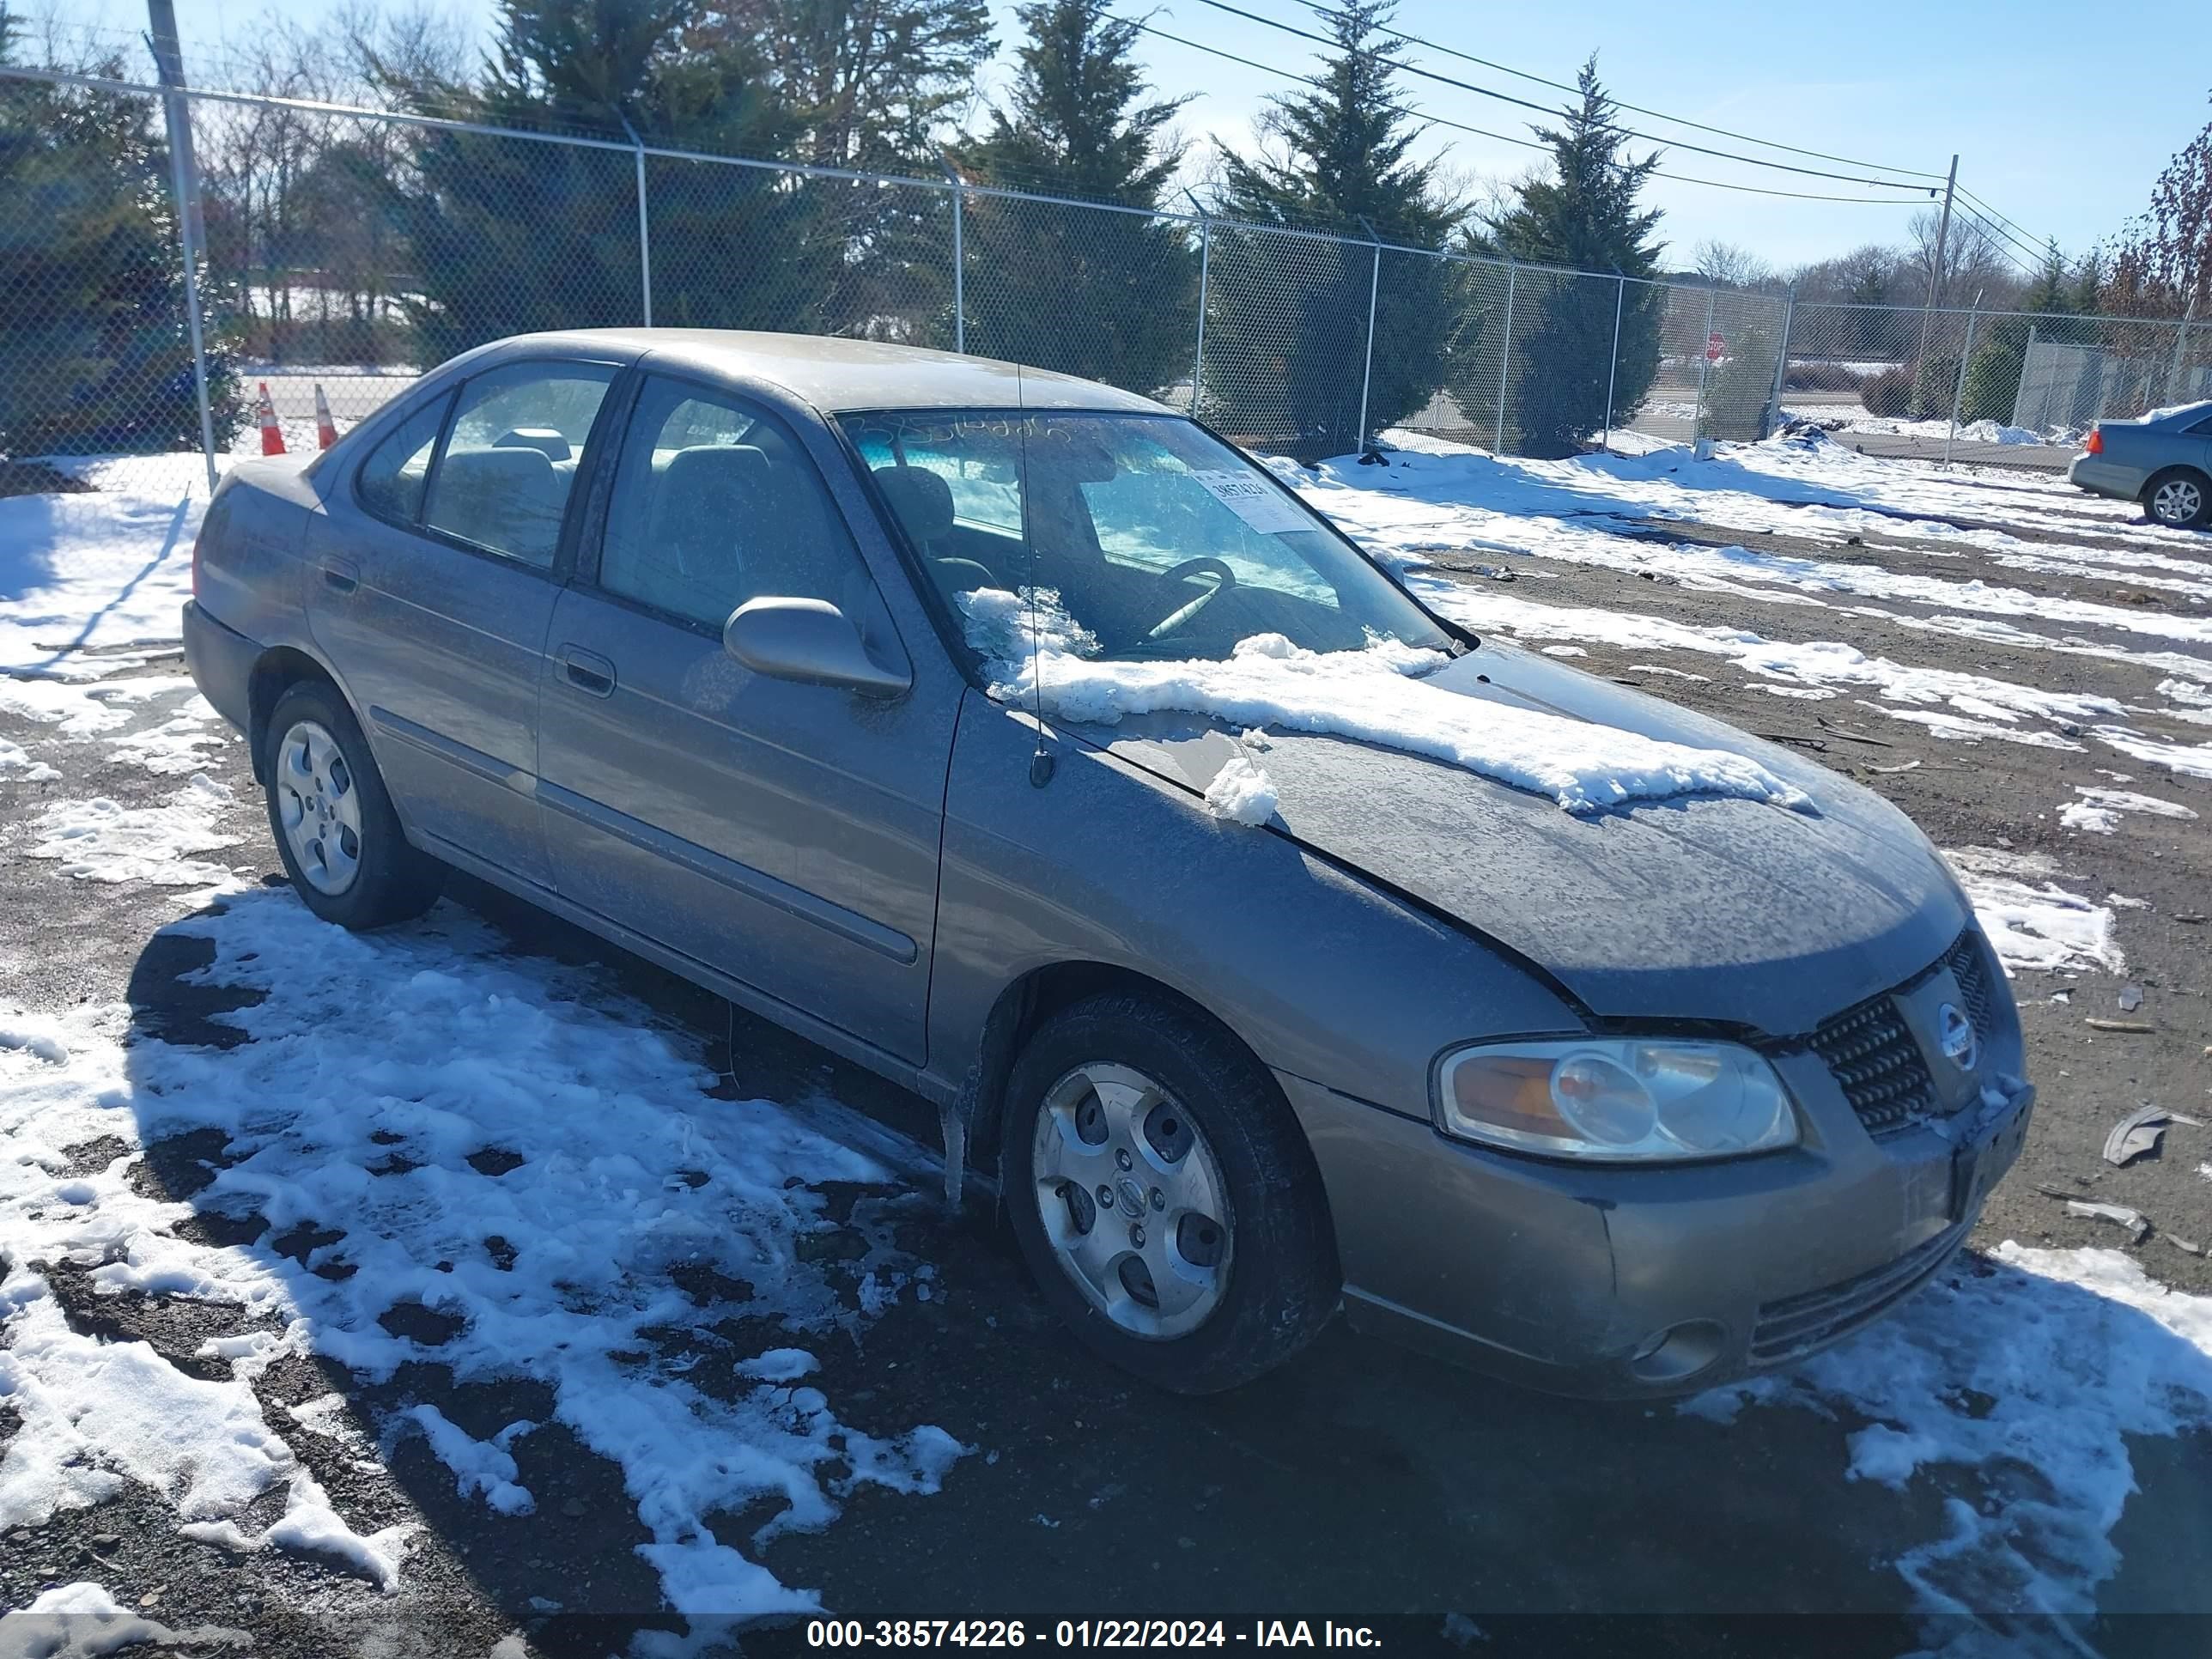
(2163, 459)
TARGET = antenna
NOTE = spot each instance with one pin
(1041, 759)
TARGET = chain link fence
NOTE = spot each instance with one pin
(340, 252)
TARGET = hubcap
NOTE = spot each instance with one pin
(320, 807)
(1133, 1200)
(2177, 501)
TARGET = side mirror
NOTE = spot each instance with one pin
(810, 640)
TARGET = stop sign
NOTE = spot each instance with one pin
(1714, 346)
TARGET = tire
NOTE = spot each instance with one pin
(1177, 1106)
(331, 816)
(2179, 498)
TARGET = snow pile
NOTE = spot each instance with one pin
(173, 748)
(97, 840)
(1373, 696)
(2010, 1390)
(2100, 809)
(2193, 759)
(483, 1468)
(517, 1179)
(1241, 792)
(2034, 925)
(15, 761)
(82, 1621)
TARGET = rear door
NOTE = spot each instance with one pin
(432, 584)
(785, 835)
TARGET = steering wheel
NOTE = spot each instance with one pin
(1225, 577)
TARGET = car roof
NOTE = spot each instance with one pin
(832, 374)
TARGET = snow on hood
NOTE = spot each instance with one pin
(1037, 653)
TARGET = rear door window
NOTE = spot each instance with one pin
(510, 463)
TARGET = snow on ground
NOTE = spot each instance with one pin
(500, 1161)
(1843, 418)
(1438, 497)
(2100, 808)
(2029, 1374)
(2030, 922)
(82, 1621)
(1466, 500)
(1997, 705)
(92, 583)
(1375, 695)
(97, 840)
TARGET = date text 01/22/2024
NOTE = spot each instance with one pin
(824, 1633)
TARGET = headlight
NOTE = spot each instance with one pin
(1626, 1100)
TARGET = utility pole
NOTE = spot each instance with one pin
(184, 175)
(1935, 269)
(959, 254)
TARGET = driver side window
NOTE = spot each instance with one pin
(714, 504)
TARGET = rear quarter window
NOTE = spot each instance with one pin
(390, 482)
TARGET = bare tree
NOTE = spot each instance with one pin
(1974, 262)
(1727, 265)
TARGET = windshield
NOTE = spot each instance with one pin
(1160, 541)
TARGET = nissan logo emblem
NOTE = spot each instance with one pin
(1954, 1035)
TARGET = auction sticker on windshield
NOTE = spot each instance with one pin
(1263, 508)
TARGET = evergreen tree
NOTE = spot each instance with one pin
(2052, 294)
(1344, 164)
(870, 85)
(94, 353)
(1584, 213)
(2090, 282)
(1105, 295)
(510, 235)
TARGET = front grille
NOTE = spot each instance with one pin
(1870, 1051)
(1796, 1325)
(1969, 966)
(1872, 1056)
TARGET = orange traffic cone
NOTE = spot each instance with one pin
(272, 435)
(326, 431)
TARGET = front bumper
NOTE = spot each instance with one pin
(1623, 1282)
(2102, 478)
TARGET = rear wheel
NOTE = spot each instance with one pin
(1163, 1197)
(2179, 498)
(335, 829)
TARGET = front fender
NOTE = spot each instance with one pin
(1318, 973)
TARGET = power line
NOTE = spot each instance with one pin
(1545, 110)
(1660, 115)
(1502, 138)
(1997, 240)
(2042, 245)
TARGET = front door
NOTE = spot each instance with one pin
(785, 835)
(432, 585)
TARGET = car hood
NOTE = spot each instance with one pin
(1695, 909)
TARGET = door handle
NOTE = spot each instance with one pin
(588, 670)
(342, 575)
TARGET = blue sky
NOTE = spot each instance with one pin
(2060, 121)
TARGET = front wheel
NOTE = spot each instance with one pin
(2180, 500)
(335, 828)
(1163, 1197)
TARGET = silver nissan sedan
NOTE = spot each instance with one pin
(675, 634)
